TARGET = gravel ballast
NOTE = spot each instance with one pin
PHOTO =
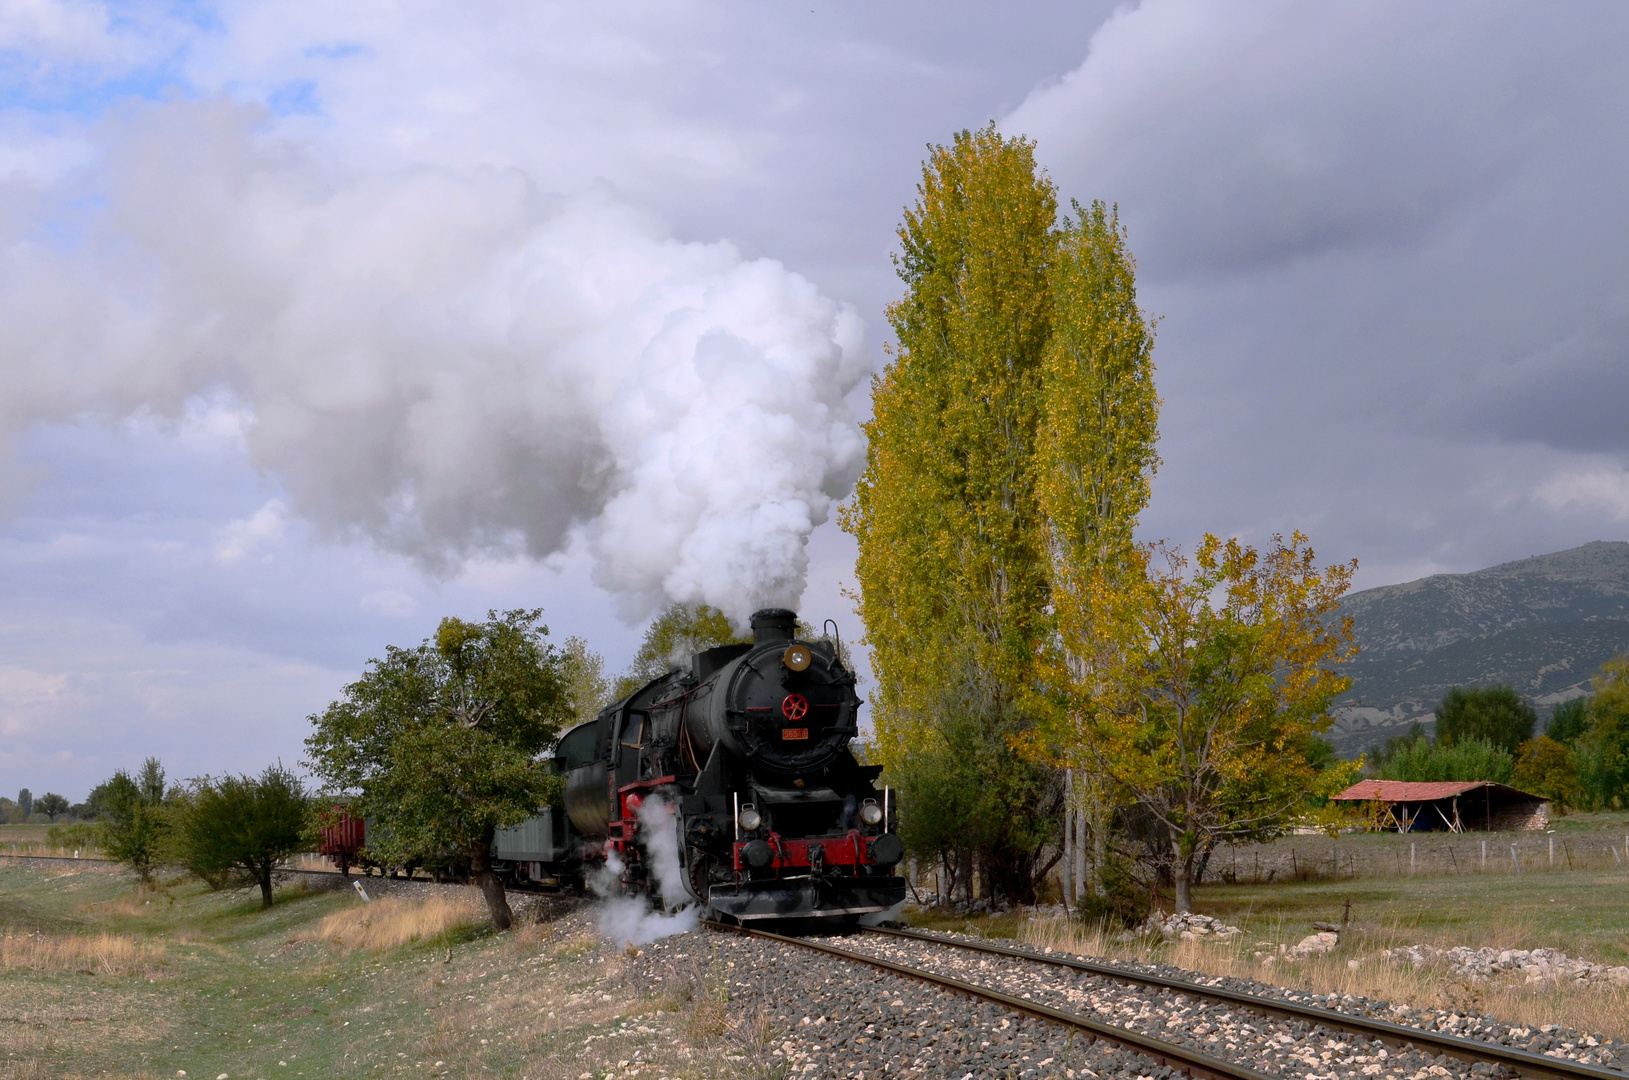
(826, 1017)
(1271, 1044)
(823, 1017)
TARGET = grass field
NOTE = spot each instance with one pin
(104, 979)
(1576, 842)
(22, 834)
(34, 840)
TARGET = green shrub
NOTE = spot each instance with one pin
(1124, 900)
(81, 836)
(1472, 759)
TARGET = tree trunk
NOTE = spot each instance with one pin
(1096, 821)
(497, 904)
(1184, 902)
(265, 874)
(1204, 862)
(1182, 874)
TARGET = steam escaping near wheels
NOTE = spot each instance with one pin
(630, 918)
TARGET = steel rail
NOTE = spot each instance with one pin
(1193, 1062)
(1455, 1046)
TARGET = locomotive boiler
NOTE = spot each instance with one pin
(749, 750)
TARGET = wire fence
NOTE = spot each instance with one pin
(1309, 857)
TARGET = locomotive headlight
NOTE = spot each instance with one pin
(750, 818)
(871, 813)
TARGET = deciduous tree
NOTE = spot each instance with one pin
(1605, 749)
(1495, 713)
(951, 566)
(137, 822)
(1549, 768)
(438, 744)
(670, 639)
(51, 804)
(1094, 462)
(1216, 680)
(582, 672)
(244, 823)
(1569, 722)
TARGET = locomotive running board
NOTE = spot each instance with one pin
(807, 898)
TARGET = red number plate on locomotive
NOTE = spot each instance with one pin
(788, 733)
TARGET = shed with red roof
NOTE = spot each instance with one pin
(1449, 805)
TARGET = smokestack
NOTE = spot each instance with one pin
(773, 624)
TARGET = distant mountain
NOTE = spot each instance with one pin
(1543, 625)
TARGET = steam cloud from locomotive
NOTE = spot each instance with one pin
(625, 917)
(451, 363)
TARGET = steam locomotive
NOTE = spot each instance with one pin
(742, 763)
(748, 750)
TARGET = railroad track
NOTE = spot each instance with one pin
(1181, 1058)
(1188, 1059)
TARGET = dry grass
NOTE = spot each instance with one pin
(140, 901)
(100, 954)
(1596, 1007)
(31, 1055)
(389, 922)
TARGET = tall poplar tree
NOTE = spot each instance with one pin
(1094, 463)
(951, 564)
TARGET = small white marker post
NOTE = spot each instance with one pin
(363, 893)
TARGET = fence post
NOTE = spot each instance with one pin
(1514, 860)
(1484, 855)
(1552, 851)
(1411, 858)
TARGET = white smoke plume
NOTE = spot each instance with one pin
(659, 837)
(451, 363)
(630, 918)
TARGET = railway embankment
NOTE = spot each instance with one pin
(208, 983)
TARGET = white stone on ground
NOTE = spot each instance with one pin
(1532, 965)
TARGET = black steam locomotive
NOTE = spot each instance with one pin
(749, 749)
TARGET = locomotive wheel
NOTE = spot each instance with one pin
(698, 873)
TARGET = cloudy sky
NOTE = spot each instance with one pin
(323, 321)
